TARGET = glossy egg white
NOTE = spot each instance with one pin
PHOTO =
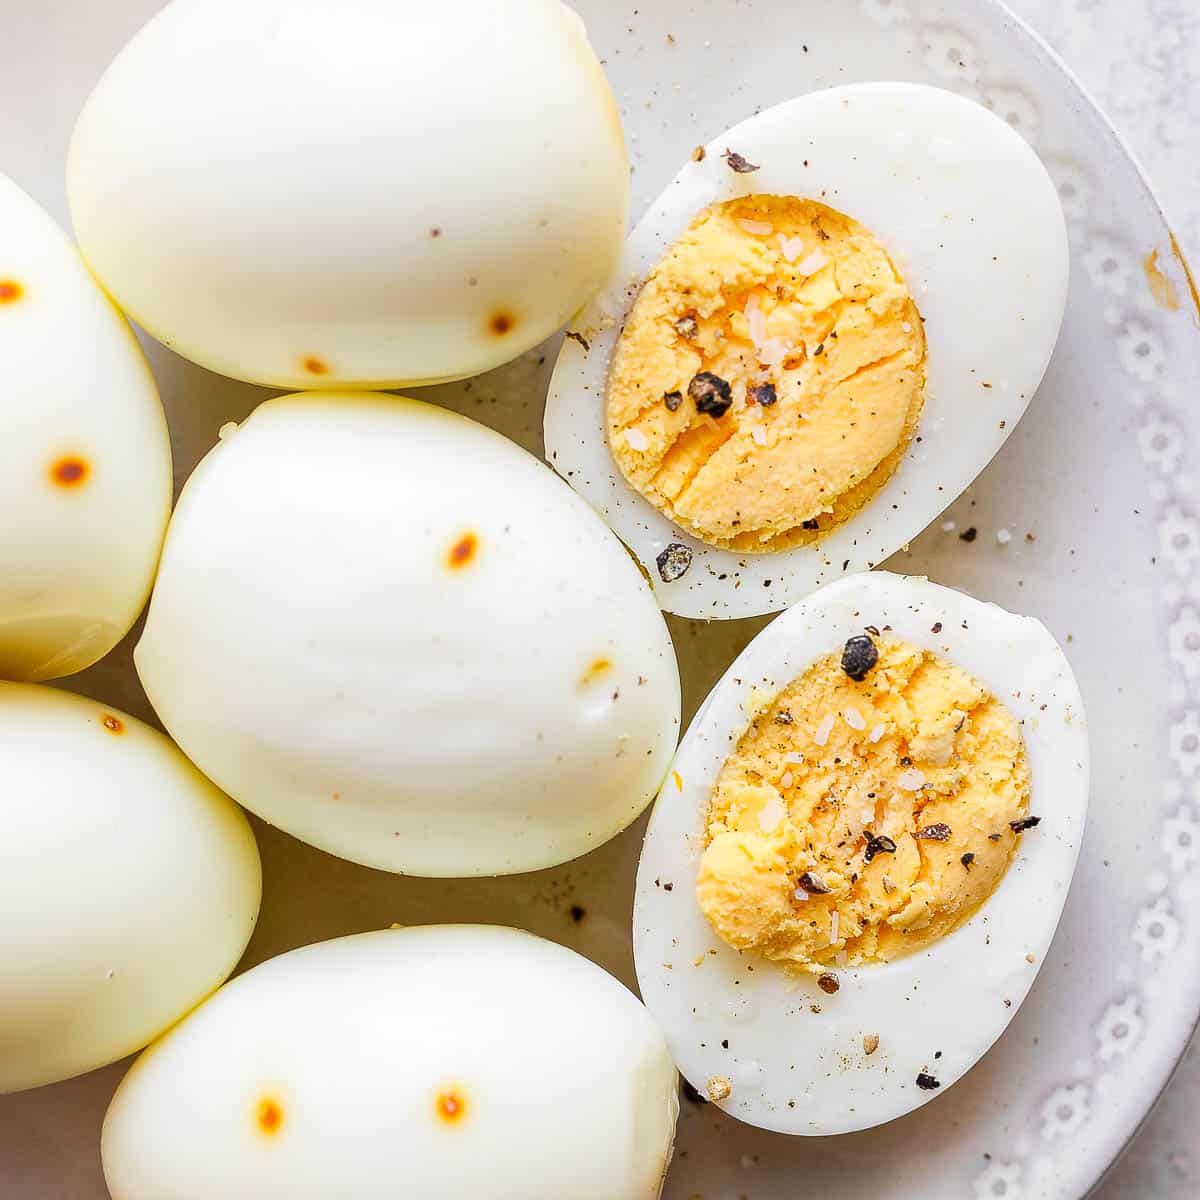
(398, 636)
(356, 193)
(438, 1061)
(971, 218)
(803, 1072)
(85, 461)
(129, 885)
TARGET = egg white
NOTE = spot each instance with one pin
(565, 1086)
(801, 1072)
(129, 885)
(974, 223)
(310, 647)
(76, 562)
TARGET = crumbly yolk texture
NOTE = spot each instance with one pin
(798, 309)
(856, 822)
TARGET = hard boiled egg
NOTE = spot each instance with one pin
(128, 885)
(398, 636)
(818, 335)
(860, 856)
(352, 193)
(443, 1061)
(85, 462)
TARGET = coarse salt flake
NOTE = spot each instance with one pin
(854, 718)
(793, 756)
(635, 439)
(877, 732)
(758, 435)
(762, 228)
(792, 247)
(949, 526)
(812, 264)
(1004, 536)
(800, 894)
(770, 815)
(911, 780)
(821, 736)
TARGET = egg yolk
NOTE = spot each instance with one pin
(858, 821)
(770, 374)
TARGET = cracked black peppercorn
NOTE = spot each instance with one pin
(1024, 823)
(877, 844)
(858, 656)
(812, 523)
(968, 860)
(927, 1083)
(672, 400)
(812, 883)
(674, 562)
(764, 394)
(711, 393)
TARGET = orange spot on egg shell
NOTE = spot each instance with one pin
(501, 323)
(268, 1115)
(10, 291)
(114, 725)
(69, 471)
(316, 366)
(451, 1106)
(463, 550)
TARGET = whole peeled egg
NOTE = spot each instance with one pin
(399, 637)
(85, 461)
(855, 869)
(351, 192)
(129, 885)
(461, 1060)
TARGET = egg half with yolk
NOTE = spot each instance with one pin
(817, 337)
(861, 854)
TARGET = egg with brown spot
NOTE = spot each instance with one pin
(381, 218)
(85, 459)
(125, 855)
(448, 1057)
(477, 645)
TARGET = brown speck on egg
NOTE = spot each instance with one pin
(501, 323)
(828, 983)
(870, 1043)
(737, 163)
(269, 1116)
(598, 667)
(718, 1088)
(578, 337)
(463, 550)
(69, 471)
(451, 1106)
(113, 724)
(699, 154)
(316, 366)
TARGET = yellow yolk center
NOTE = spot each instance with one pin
(770, 374)
(856, 822)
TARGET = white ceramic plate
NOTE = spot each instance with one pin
(1100, 471)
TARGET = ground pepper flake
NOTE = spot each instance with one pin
(764, 394)
(968, 860)
(935, 833)
(672, 400)
(687, 326)
(737, 163)
(968, 535)
(812, 883)
(712, 394)
(859, 655)
(1024, 823)
(927, 1083)
(810, 524)
(877, 844)
(578, 337)
(674, 562)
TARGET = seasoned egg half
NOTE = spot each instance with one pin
(461, 1060)
(360, 193)
(85, 461)
(861, 854)
(398, 636)
(816, 338)
(129, 885)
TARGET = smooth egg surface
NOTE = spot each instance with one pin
(85, 461)
(353, 194)
(885, 396)
(396, 635)
(129, 885)
(867, 1039)
(443, 1061)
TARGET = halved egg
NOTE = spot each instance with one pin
(441, 1062)
(818, 336)
(857, 864)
